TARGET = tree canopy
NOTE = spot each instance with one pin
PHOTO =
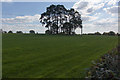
(10, 32)
(60, 20)
(19, 32)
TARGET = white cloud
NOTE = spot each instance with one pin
(43, 0)
(98, 15)
(24, 27)
(6, 0)
(113, 2)
(88, 18)
(86, 6)
(106, 22)
(82, 5)
(112, 10)
(23, 23)
(91, 28)
(112, 7)
(22, 19)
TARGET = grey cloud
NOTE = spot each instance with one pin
(104, 24)
(101, 24)
(113, 10)
(85, 18)
(82, 5)
(90, 10)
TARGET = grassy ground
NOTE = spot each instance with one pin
(42, 56)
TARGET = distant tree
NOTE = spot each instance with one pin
(97, 33)
(32, 31)
(111, 33)
(84, 34)
(90, 34)
(10, 32)
(105, 33)
(19, 32)
(37, 33)
(118, 34)
(48, 32)
(4, 31)
(73, 33)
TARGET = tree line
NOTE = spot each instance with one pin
(104, 33)
(58, 20)
(19, 32)
(96, 33)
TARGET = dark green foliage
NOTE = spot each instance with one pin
(10, 32)
(97, 33)
(111, 33)
(32, 31)
(105, 33)
(4, 32)
(60, 20)
(19, 32)
(48, 32)
(67, 28)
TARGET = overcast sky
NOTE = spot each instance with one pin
(97, 15)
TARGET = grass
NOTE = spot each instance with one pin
(45, 56)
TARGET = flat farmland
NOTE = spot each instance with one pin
(52, 56)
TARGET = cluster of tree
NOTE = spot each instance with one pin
(19, 32)
(47, 31)
(60, 20)
(109, 33)
(10, 32)
(105, 33)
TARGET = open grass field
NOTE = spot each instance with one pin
(43, 56)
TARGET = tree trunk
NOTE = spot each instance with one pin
(81, 31)
(57, 24)
(48, 28)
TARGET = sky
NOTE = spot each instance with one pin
(98, 15)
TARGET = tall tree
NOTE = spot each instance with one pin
(58, 19)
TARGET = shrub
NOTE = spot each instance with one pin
(19, 32)
(10, 32)
(111, 33)
(48, 32)
(97, 33)
(32, 31)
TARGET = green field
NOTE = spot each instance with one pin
(44, 56)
